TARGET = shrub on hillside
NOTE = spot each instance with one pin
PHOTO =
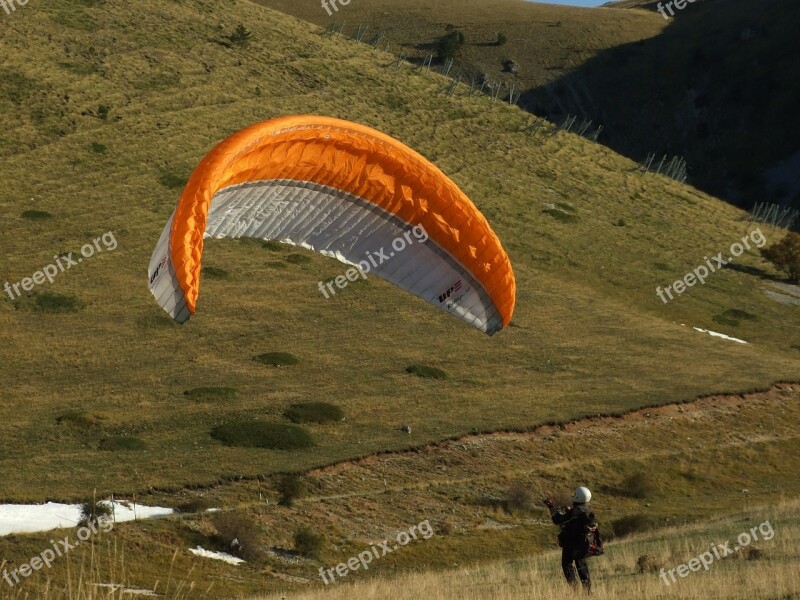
(638, 485)
(298, 259)
(314, 412)
(291, 487)
(52, 302)
(259, 434)
(501, 39)
(276, 359)
(631, 524)
(36, 215)
(92, 510)
(519, 498)
(238, 535)
(78, 418)
(785, 255)
(197, 505)
(308, 542)
(449, 44)
(647, 563)
(425, 371)
(240, 37)
(211, 393)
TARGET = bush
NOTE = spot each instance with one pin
(78, 418)
(638, 485)
(51, 302)
(449, 44)
(240, 37)
(785, 255)
(173, 180)
(631, 524)
(277, 359)
(238, 535)
(291, 488)
(259, 434)
(501, 40)
(122, 443)
(425, 371)
(92, 510)
(36, 215)
(211, 393)
(98, 148)
(298, 259)
(272, 246)
(197, 505)
(519, 498)
(314, 412)
(308, 543)
(647, 563)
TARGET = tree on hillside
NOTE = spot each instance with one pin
(449, 44)
(785, 255)
(501, 39)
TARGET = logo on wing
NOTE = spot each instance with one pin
(161, 266)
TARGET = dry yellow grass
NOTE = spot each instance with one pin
(776, 574)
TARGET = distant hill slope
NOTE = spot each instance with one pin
(105, 111)
(715, 85)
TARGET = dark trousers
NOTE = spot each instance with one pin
(568, 557)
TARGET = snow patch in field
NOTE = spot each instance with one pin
(117, 587)
(720, 335)
(33, 518)
(231, 560)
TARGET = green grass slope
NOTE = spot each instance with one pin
(102, 128)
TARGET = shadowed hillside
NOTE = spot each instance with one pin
(713, 85)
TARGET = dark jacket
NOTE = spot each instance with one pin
(573, 523)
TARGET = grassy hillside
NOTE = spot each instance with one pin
(770, 571)
(714, 84)
(701, 467)
(108, 122)
(546, 40)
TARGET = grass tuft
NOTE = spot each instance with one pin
(277, 359)
(260, 434)
(426, 371)
(211, 393)
(36, 215)
(314, 412)
(78, 418)
(52, 302)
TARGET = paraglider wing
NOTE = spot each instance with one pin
(346, 191)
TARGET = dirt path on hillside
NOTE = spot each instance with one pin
(718, 405)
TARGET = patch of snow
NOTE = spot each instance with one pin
(33, 518)
(133, 592)
(720, 335)
(231, 560)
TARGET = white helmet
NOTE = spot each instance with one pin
(582, 495)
